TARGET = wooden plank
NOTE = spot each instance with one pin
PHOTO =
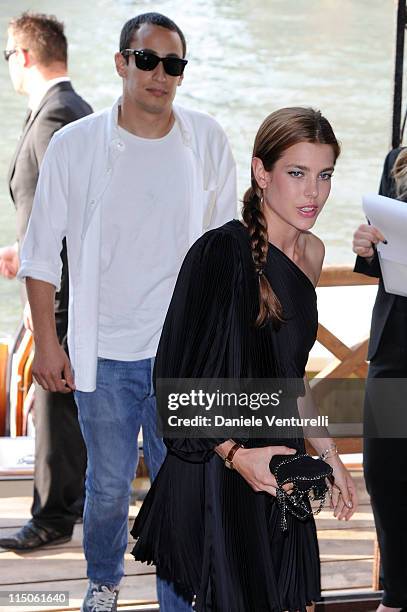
(351, 534)
(343, 276)
(346, 446)
(338, 349)
(55, 565)
(346, 574)
(360, 520)
(134, 590)
(15, 511)
(349, 604)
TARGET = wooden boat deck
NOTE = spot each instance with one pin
(347, 550)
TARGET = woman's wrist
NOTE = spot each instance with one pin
(227, 452)
(329, 452)
(334, 461)
(223, 449)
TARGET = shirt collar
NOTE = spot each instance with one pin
(37, 97)
(114, 135)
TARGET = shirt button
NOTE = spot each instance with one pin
(109, 171)
(120, 145)
(92, 203)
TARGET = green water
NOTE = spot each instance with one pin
(247, 58)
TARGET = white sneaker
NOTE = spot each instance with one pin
(100, 598)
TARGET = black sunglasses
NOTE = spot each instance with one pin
(145, 60)
(7, 53)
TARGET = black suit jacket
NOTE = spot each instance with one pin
(384, 301)
(60, 105)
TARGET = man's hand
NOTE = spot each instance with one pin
(9, 261)
(364, 238)
(253, 464)
(52, 369)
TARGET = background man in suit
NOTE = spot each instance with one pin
(37, 56)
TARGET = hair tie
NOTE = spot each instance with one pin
(260, 273)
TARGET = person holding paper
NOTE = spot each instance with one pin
(385, 459)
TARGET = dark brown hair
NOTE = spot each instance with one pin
(130, 28)
(41, 34)
(279, 131)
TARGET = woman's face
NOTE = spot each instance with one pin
(298, 186)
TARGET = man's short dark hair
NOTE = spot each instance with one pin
(131, 27)
(43, 35)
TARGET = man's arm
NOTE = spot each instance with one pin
(51, 366)
(40, 252)
(41, 266)
(225, 206)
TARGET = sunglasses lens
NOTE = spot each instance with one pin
(174, 66)
(146, 61)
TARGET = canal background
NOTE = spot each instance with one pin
(246, 58)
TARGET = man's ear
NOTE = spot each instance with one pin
(180, 79)
(260, 174)
(27, 58)
(121, 64)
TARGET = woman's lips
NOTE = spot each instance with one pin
(308, 211)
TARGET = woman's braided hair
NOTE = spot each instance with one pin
(279, 131)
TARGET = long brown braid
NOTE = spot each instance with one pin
(279, 131)
(269, 304)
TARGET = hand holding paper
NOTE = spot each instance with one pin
(364, 238)
(389, 216)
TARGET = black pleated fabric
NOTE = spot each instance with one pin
(201, 524)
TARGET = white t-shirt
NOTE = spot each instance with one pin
(145, 221)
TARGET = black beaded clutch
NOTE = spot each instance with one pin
(308, 476)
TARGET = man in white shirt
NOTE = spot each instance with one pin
(36, 52)
(136, 185)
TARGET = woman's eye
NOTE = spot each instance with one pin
(326, 176)
(295, 173)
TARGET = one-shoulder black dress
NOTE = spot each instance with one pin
(201, 524)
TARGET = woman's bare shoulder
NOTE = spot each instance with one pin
(314, 254)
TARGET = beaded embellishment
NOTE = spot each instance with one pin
(298, 501)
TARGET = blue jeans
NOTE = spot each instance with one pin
(110, 418)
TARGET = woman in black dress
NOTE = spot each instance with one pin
(385, 459)
(244, 306)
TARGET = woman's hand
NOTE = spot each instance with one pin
(342, 491)
(364, 238)
(253, 464)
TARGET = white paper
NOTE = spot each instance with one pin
(390, 217)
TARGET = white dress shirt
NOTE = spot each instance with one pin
(76, 172)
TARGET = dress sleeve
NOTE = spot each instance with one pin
(197, 334)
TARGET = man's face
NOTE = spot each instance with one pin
(16, 65)
(151, 91)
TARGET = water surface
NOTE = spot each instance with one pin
(247, 58)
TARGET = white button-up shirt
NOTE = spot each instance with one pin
(75, 173)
